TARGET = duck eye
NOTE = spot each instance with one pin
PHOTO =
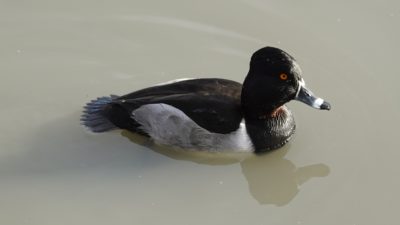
(283, 76)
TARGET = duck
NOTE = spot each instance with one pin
(213, 114)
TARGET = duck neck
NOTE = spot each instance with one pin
(271, 131)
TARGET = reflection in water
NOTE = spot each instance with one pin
(272, 179)
(275, 180)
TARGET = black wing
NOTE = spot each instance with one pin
(213, 104)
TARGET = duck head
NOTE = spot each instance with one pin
(274, 78)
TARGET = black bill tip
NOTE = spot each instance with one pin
(325, 106)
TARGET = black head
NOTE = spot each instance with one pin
(274, 78)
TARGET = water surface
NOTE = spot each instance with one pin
(341, 167)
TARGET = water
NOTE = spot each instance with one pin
(341, 167)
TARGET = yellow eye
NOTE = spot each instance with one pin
(283, 76)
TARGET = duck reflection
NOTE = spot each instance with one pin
(275, 180)
(272, 179)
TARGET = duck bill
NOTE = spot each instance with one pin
(306, 96)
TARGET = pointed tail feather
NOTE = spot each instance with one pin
(93, 117)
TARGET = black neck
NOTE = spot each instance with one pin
(271, 132)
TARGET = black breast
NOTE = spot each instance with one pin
(271, 132)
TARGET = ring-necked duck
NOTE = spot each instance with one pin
(213, 114)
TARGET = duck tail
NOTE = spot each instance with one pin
(93, 116)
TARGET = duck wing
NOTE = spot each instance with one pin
(213, 104)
